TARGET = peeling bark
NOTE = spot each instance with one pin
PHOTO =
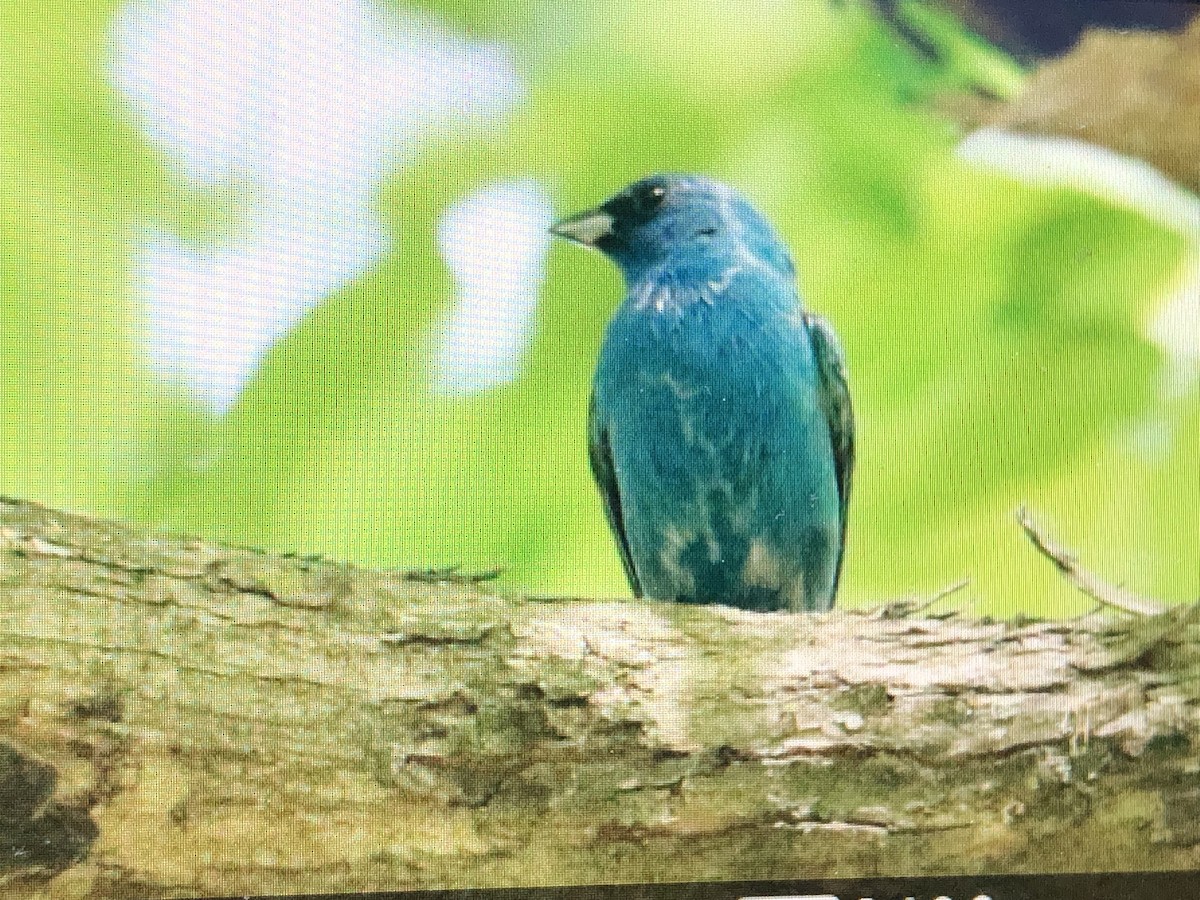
(182, 718)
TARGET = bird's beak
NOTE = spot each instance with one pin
(585, 228)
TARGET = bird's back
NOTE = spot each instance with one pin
(720, 448)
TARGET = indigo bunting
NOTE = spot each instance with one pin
(720, 428)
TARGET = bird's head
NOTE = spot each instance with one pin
(688, 217)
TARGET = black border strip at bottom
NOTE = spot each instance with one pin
(1107, 886)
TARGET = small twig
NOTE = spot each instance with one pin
(902, 609)
(452, 575)
(943, 594)
(1091, 584)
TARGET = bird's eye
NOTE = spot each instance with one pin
(652, 197)
(637, 205)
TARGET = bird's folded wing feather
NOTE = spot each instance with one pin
(835, 399)
(600, 454)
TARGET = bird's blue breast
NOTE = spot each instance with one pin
(719, 442)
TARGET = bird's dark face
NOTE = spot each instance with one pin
(668, 215)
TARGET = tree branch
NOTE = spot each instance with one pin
(181, 718)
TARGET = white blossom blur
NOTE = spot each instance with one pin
(302, 106)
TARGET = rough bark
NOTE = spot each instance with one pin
(1134, 92)
(181, 718)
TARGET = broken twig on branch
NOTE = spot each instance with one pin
(1091, 584)
(900, 609)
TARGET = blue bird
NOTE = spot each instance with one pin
(720, 429)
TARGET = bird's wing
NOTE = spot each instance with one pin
(600, 454)
(835, 399)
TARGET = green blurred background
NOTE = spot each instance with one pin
(996, 331)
